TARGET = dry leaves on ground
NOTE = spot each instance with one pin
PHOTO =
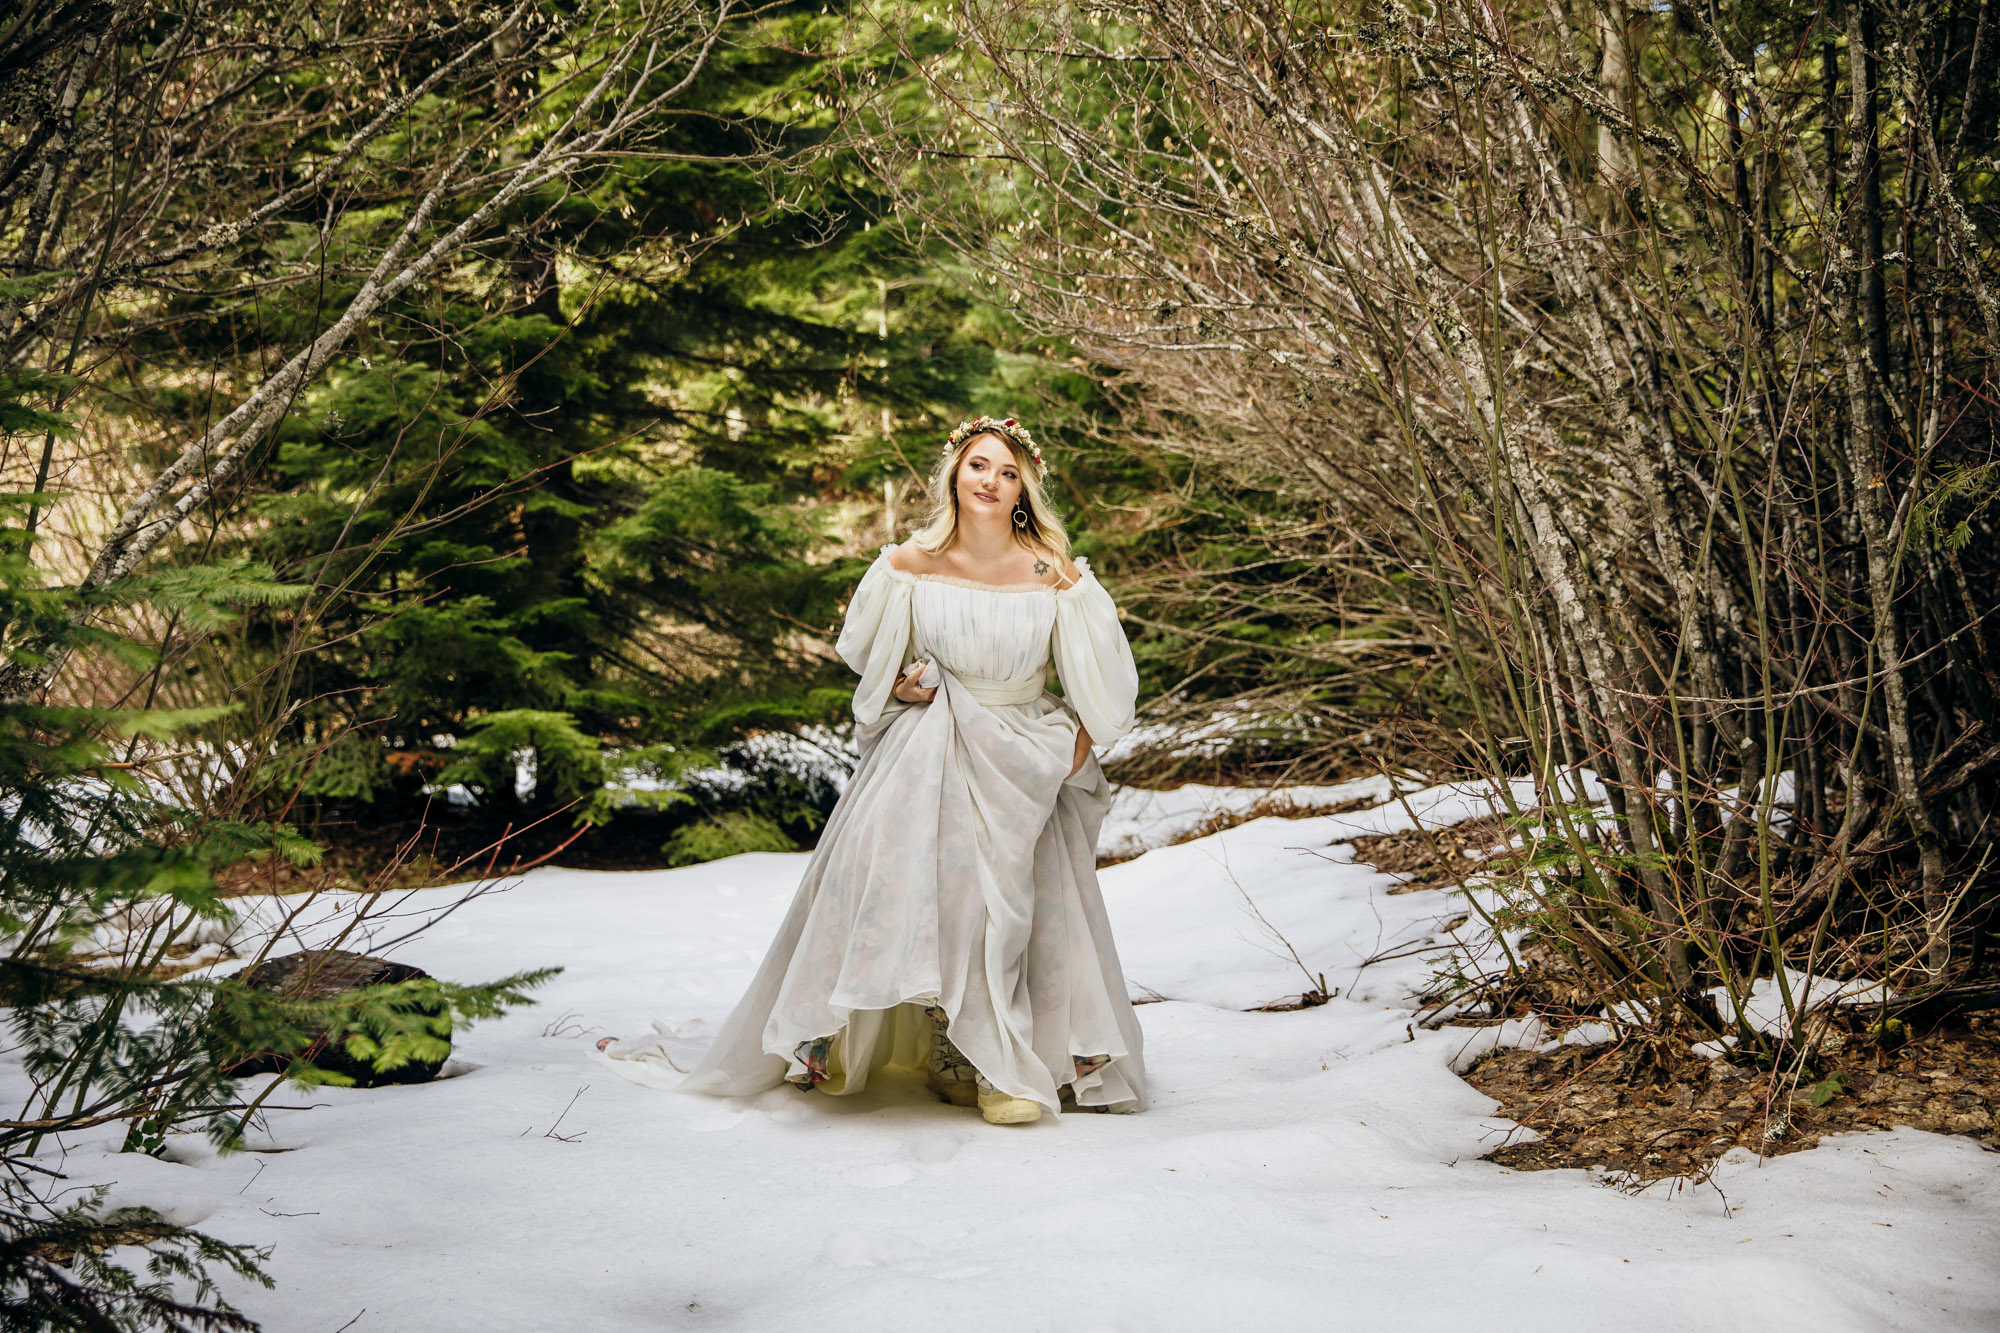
(1436, 858)
(1651, 1112)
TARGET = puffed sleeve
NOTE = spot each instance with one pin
(1093, 660)
(875, 638)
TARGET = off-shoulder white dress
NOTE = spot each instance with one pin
(958, 870)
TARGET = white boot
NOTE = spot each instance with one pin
(1000, 1109)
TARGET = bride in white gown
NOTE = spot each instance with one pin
(950, 917)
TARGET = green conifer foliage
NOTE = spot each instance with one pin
(104, 877)
(589, 476)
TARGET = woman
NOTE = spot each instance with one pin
(950, 916)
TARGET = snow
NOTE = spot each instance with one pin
(1141, 818)
(1764, 1006)
(1316, 1168)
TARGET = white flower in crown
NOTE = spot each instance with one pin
(1010, 428)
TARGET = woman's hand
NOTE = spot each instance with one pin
(1082, 751)
(907, 689)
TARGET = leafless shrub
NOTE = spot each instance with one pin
(1656, 344)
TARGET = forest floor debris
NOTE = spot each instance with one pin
(1142, 819)
(1437, 858)
(1649, 1111)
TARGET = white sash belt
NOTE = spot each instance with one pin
(994, 692)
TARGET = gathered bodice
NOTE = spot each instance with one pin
(988, 633)
(996, 638)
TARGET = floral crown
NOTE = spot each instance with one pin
(1010, 428)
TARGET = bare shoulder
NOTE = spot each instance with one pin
(912, 559)
(1061, 570)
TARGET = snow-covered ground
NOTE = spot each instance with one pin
(1141, 818)
(1316, 1169)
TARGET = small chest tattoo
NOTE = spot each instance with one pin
(1041, 566)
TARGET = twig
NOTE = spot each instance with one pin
(550, 1132)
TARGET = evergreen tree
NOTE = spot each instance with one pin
(567, 512)
(104, 877)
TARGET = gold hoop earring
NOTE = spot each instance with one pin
(1020, 517)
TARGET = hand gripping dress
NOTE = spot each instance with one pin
(956, 877)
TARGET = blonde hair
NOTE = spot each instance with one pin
(1044, 527)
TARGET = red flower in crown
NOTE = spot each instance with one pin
(1010, 428)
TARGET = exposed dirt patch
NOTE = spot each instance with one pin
(98, 1239)
(1280, 807)
(1436, 858)
(448, 848)
(1547, 985)
(1652, 1112)
(1312, 998)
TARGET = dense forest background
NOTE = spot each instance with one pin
(583, 499)
(437, 441)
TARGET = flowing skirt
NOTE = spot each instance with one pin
(957, 872)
